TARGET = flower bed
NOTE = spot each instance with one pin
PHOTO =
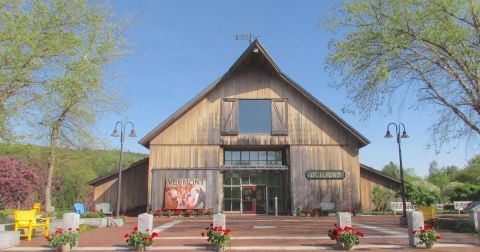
(218, 237)
(164, 212)
(139, 240)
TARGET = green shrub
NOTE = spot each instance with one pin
(422, 193)
(86, 227)
(381, 197)
(464, 192)
(92, 215)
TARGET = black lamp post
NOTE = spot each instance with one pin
(123, 126)
(404, 135)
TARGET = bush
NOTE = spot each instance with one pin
(381, 197)
(422, 193)
(464, 192)
(92, 215)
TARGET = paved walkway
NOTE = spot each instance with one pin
(262, 233)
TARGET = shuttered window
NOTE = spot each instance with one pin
(254, 117)
(279, 117)
(229, 117)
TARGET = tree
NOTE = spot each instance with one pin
(439, 176)
(55, 57)
(381, 197)
(19, 182)
(471, 173)
(395, 49)
(391, 170)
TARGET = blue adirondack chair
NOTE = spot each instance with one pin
(79, 208)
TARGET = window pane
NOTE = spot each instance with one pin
(228, 162)
(262, 162)
(278, 156)
(245, 181)
(253, 179)
(262, 155)
(245, 162)
(254, 116)
(271, 155)
(235, 155)
(226, 180)
(236, 192)
(227, 205)
(236, 181)
(228, 155)
(236, 205)
(236, 162)
(227, 192)
(262, 179)
(245, 155)
(254, 162)
(253, 155)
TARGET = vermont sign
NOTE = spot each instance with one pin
(325, 174)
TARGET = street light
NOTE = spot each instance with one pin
(402, 181)
(123, 126)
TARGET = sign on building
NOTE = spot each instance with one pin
(185, 193)
(325, 174)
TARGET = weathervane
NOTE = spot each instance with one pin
(249, 36)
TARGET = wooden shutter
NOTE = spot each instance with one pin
(229, 117)
(279, 117)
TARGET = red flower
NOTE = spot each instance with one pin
(126, 240)
(125, 236)
(438, 237)
(47, 238)
(414, 232)
(135, 229)
(150, 239)
(211, 224)
(78, 229)
(154, 235)
(69, 229)
(203, 234)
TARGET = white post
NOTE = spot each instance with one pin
(145, 223)
(415, 221)
(344, 219)
(219, 220)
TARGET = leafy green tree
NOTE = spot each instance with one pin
(394, 49)
(422, 193)
(471, 173)
(55, 53)
(440, 176)
(391, 170)
(381, 197)
(467, 192)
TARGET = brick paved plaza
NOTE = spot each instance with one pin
(261, 233)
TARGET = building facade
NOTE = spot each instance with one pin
(251, 138)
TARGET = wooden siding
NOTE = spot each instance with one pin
(368, 180)
(214, 184)
(307, 124)
(310, 193)
(134, 189)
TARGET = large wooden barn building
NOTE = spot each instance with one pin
(252, 136)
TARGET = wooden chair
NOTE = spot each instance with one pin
(27, 221)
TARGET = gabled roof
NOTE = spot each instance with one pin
(114, 174)
(255, 47)
(370, 169)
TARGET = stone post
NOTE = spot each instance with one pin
(415, 221)
(145, 222)
(344, 219)
(71, 220)
(219, 220)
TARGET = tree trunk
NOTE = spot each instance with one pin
(51, 164)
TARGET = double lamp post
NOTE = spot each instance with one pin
(123, 126)
(398, 129)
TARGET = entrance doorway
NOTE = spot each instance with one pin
(254, 200)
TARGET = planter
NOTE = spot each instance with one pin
(66, 247)
(343, 246)
(139, 248)
(430, 245)
(218, 248)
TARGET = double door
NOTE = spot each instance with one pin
(254, 199)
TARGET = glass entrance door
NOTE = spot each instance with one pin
(254, 200)
(249, 205)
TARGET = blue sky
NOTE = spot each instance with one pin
(180, 47)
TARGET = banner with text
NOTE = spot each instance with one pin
(185, 193)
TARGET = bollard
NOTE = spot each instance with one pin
(219, 220)
(145, 222)
(415, 221)
(344, 219)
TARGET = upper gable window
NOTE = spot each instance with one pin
(254, 116)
